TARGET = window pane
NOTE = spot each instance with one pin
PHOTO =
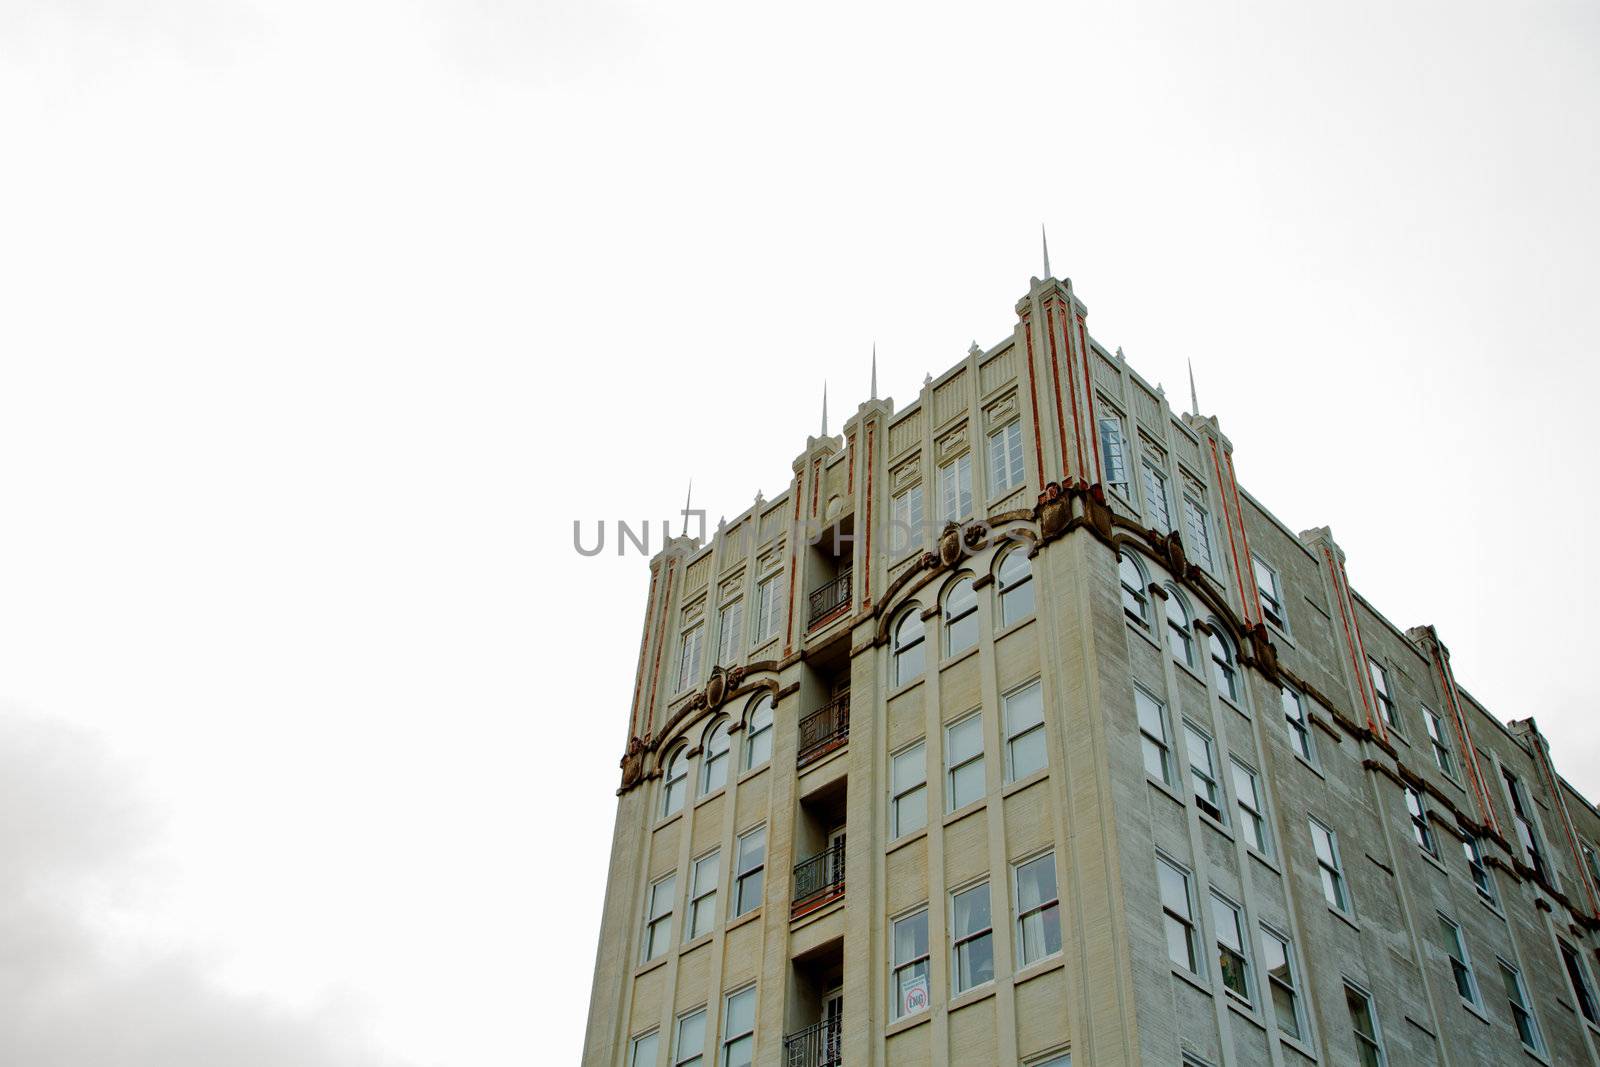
(909, 768)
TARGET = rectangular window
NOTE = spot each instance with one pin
(703, 894)
(1582, 991)
(907, 531)
(739, 1028)
(1203, 771)
(1364, 1024)
(658, 916)
(1592, 861)
(908, 965)
(1332, 871)
(1005, 458)
(1153, 735)
(1271, 595)
(1443, 758)
(1038, 910)
(769, 607)
(643, 1050)
(1480, 873)
(1455, 947)
(688, 1049)
(689, 655)
(1421, 832)
(1521, 1009)
(1113, 454)
(1155, 498)
(1060, 1059)
(1024, 719)
(908, 778)
(1282, 982)
(963, 756)
(730, 639)
(955, 488)
(1526, 834)
(1298, 720)
(1252, 820)
(1380, 688)
(750, 875)
(1178, 914)
(1195, 519)
(1232, 960)
(972, 939)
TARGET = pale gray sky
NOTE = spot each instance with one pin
(321, 321)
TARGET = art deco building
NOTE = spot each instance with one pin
(1103, 765)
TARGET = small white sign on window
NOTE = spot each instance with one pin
(914, 995)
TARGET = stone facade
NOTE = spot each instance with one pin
(1179, 701)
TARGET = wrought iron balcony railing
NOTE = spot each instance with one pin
(824, 730)
(830, 600)
(819, 879)
(815, 1046)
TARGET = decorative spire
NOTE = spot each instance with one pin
(874, 370)
(1194, 399)
(1045, 240)
(824, 407)
(687, 497)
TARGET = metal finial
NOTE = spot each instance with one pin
(824, 408)
(1194, 399)
(874, 370)
(1045, 240)
(687, 497)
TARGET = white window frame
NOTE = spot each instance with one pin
(960, 981)
(1231, 936)
(955, 489)
(743, 875)
(1444, 756)
(757, 736)
(1011, 587)
(1269, 593)
(897, 965)
(1197, 523)
(910, 795)
(1224, 662)
(905, 646)
(637, 1054)
(1135, 598)
(1251, 802)
(1298, 721)
(730, 632)
(1455, 941)
(1290, 986)
(660, 905)
(1477, 870)
(731, 1040)
(1331, 869)
(716, 753)
(690, 1057)
(907, 514)
(691, 649)
(1421, 832)
(703, 897)
(966, 761)
(769, 607)
(1578, 978)
(1018, 732)
(1204, 781)
(1150, 743)
(1522, 1003)
(1006, 470)
(1156, 501)
(1180, 627)
(1041, 910)
(1113, 449)
(1387, 708)
(675, 782)
(1374, 1040)
(1183, 920)
(957, 617)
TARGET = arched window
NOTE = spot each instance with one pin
(714, 759)
(1135, 598)
(758, 733)
(960, 617)
(908, 635)
(675, 782)
(1224, 668)
(1014, 577)
(1179, 637)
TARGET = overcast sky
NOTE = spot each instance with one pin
(320, 323)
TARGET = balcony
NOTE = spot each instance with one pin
(824, 730)
(815, 1046)
(830, 601)
(818, 880)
